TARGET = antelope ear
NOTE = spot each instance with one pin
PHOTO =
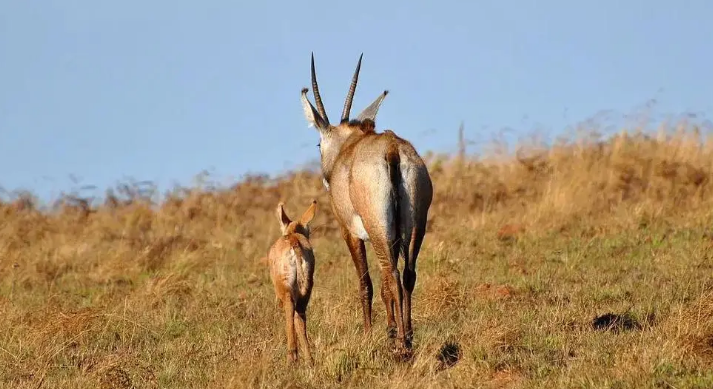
(371, 111)
(313, 117)
(309, 214)
(283, 218)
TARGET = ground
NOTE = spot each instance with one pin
(583, 265)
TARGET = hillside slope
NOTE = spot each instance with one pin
(522, 254)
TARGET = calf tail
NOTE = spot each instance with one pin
(301, 276)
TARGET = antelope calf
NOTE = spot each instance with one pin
(291, 263)
(380, 191)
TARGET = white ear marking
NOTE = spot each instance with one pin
(314, 119)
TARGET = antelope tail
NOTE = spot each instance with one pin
(393, 160)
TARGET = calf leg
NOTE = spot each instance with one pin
(290, 329)
(301, 329)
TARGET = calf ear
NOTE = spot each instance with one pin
(309, 214)
(313, 117)
(371, 111)
(283, 218)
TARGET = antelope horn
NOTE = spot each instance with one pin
(317, 97)
(352, 88)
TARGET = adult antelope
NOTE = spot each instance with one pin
(380, 191)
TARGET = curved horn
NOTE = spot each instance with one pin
(317, 97)
(352, 88)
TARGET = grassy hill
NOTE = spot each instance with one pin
(524, 255)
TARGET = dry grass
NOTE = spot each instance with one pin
(522, 254)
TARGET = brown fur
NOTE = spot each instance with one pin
(291, 262)
(380, 190)
(365, 126)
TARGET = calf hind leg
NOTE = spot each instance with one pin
(290, 330)
(301, 330)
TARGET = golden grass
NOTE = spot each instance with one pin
(522, 253)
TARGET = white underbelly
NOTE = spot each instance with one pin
(357, 228)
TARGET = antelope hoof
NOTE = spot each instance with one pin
(391, 332)
(292, 357)
(408, 340)
(403, 353)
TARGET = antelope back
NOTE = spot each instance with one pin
(291, 256)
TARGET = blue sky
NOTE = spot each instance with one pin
(162, 90)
